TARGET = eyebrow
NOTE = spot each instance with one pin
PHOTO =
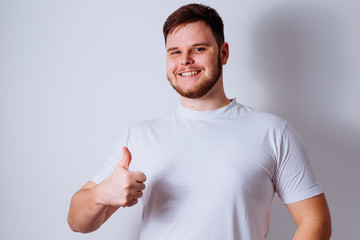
(194, 45)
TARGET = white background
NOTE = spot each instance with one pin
(75, 74)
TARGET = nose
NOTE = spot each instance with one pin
(187, 60)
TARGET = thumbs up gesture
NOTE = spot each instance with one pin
(122, 188)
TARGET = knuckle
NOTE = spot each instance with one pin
(123, 203)
(126, 200)
(129, 197)
(127, 176)
(127, 186)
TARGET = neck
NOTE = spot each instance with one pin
(212, 100)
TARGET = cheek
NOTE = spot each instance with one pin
(214, 62)
(170, 66)
(206, 61)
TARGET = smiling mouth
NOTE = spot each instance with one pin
(192, 73)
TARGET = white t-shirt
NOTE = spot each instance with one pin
(213, 174)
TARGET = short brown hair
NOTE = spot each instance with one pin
(192, 13)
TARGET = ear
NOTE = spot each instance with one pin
(224, 53)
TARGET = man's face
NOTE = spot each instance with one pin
(193, 59)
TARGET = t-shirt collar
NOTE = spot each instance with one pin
(207, 114)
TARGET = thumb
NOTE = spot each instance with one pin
(125, 161)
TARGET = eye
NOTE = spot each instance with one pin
(175, 52)
(199, 49)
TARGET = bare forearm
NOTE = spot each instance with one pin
(85, 214)
(311, 231)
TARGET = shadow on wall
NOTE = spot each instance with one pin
(299, 55)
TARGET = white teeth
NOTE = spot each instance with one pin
(185, 74)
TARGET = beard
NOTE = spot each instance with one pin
(206, 84)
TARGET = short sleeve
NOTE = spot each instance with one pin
(114, 157)
(294, 178)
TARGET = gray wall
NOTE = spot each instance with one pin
(74, 74)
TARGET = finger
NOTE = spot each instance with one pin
(132, 202)
(139, 186)
(137, 195)
(125, 161)
(139, 177)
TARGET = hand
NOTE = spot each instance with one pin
(122, 188)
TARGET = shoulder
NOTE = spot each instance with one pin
(263, 119)
(152, 123)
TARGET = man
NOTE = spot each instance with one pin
(212, 165)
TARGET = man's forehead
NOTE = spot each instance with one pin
(196, 32)
(201, 23)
